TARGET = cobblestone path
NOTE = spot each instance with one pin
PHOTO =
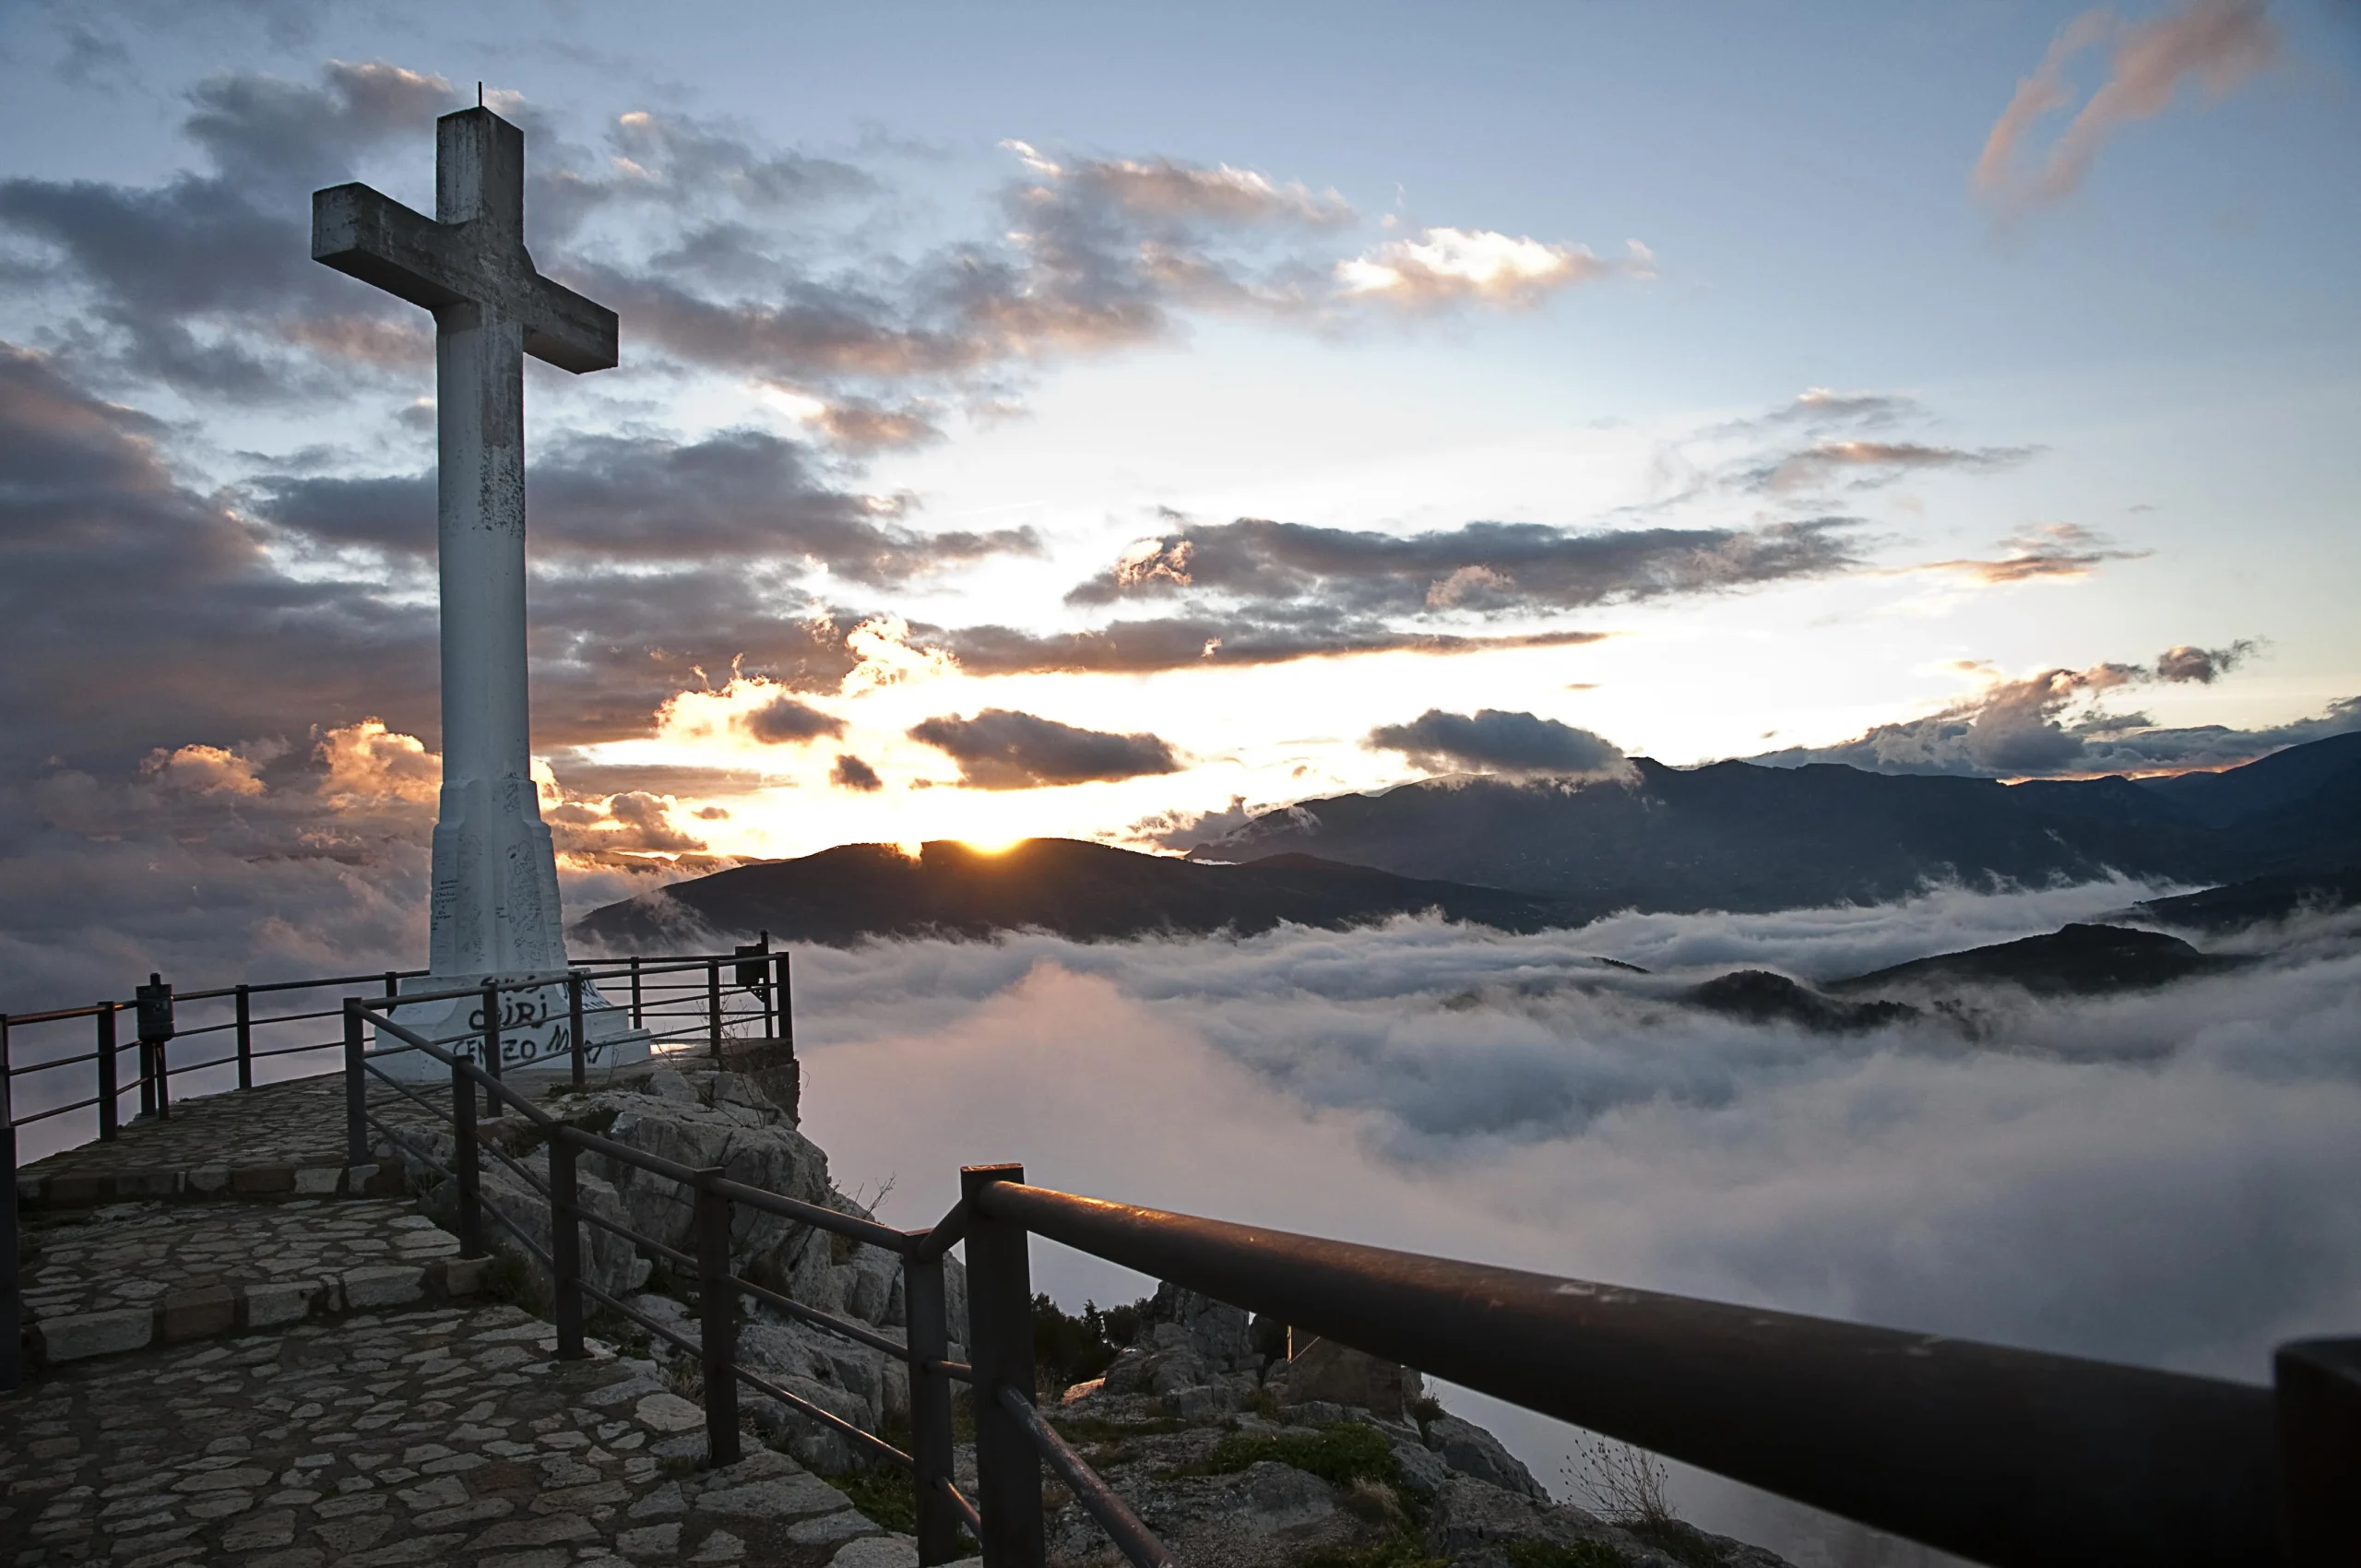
(125, 1275)
(278, 1140)
(440, 1436)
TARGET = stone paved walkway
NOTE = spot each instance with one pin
(278, 1140)
(125, 1276)
(439, 1435)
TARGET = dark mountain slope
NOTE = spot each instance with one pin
(1738, 836)
(2075, 960)
(2257, 900)
(2283, 778)
(1088, 891)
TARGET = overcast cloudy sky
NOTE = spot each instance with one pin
(1077, 419)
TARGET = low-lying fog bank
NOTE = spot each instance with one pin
(2160, 1177)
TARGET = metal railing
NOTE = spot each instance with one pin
(63, 1071)
(943, 1511)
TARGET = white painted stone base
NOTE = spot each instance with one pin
(535, 1029)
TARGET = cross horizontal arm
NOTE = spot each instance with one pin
(569, 331)
(369, 236)
(375, 238)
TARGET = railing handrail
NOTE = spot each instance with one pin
(2000, 1454)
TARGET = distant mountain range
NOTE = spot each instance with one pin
(1741, 837)
(1077, 889)
(1524, 857)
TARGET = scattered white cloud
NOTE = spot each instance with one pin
(2218, 44)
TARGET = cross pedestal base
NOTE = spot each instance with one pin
(536, 1028)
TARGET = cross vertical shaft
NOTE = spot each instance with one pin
(494, 902)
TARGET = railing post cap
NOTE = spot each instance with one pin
(973, 1178)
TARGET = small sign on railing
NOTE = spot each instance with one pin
(154, 1002)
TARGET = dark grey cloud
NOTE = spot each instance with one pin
(746, 493)
(1001, 749)
(1478, 567)
(267, 132)
(205, 283)
(1494, 741)
(2038, 727)
(582, 777)
(690, 168)
(2204, 665)
(851, 773)
(142, 612)
(1185, 642)
(784, 721)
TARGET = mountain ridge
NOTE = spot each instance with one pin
(1729, 836)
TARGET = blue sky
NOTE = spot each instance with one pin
(2048, 424)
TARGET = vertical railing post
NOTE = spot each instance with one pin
(2318, 1410)
(108, 1092)
(634, 993)
(929, 1340)
(465, 1169)
(566, 1244)
(355, 1084)
(999, 1347)
(491, 1047)
(12, 1317)
(393, 984)
(783, 1001)
(573, 1025)
(245, 1040)
(146, 1057)
(713, 1005)
(717, 1338)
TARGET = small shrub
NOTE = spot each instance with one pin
(1625, 1484)
(1339, 1455)
(1424, 1408)
(1582, 1554)
(507, 1279)
(1376, 1502)
(842, 1249)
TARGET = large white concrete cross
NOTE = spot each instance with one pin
(495, 902)
(495, 905)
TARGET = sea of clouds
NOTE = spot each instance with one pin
(2163, 1178)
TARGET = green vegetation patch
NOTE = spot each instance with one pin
(1683, 1543)
(1394, 1552)
(1339, 1455)
(888, 1497)
(1098, 1429)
